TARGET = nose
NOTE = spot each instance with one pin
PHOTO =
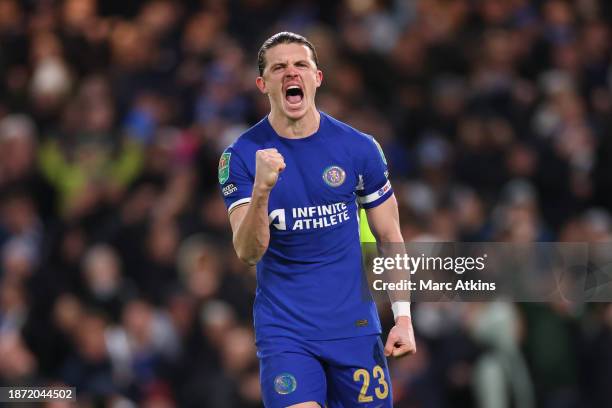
(291, 71)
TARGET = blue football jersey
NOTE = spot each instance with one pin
(310, 281)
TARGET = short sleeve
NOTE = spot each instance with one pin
(235, 180)
(374, 186)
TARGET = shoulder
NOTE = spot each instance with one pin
(249, 141)
(348, 134)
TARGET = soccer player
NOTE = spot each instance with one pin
(291, 184)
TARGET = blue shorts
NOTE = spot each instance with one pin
(334, 373)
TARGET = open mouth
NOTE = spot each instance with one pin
(294, 94)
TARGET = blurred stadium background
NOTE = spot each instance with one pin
(117, 271)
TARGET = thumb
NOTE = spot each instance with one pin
(389, 344)
(400, 351)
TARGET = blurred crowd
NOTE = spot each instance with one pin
(117, 272)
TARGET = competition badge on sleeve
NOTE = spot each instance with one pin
(224, 162)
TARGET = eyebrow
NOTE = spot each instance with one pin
(284, 64)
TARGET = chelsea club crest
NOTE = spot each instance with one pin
(334, 176)
(285, 383)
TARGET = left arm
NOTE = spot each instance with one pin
(384, 222)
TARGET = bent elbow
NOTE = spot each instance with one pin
(249, 260)
(247, 257)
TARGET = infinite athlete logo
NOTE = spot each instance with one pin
(334, 176)
(312, 217)
(285, 383)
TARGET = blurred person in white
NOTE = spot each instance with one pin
(105, 287)
(500, 374)
(51, 80)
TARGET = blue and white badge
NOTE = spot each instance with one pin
(285, 383)
(334, 176)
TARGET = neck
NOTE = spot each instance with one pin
(295, 129)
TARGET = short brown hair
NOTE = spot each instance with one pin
(284, 37)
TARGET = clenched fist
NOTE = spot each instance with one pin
(400, 341)
(268, 164)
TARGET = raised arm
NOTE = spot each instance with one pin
(250, 223)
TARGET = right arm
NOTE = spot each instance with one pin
(250, 223)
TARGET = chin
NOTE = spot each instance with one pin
(295, 114)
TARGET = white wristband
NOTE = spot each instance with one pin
(400, 309)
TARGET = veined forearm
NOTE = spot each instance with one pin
(252, 237)
(390, 246)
